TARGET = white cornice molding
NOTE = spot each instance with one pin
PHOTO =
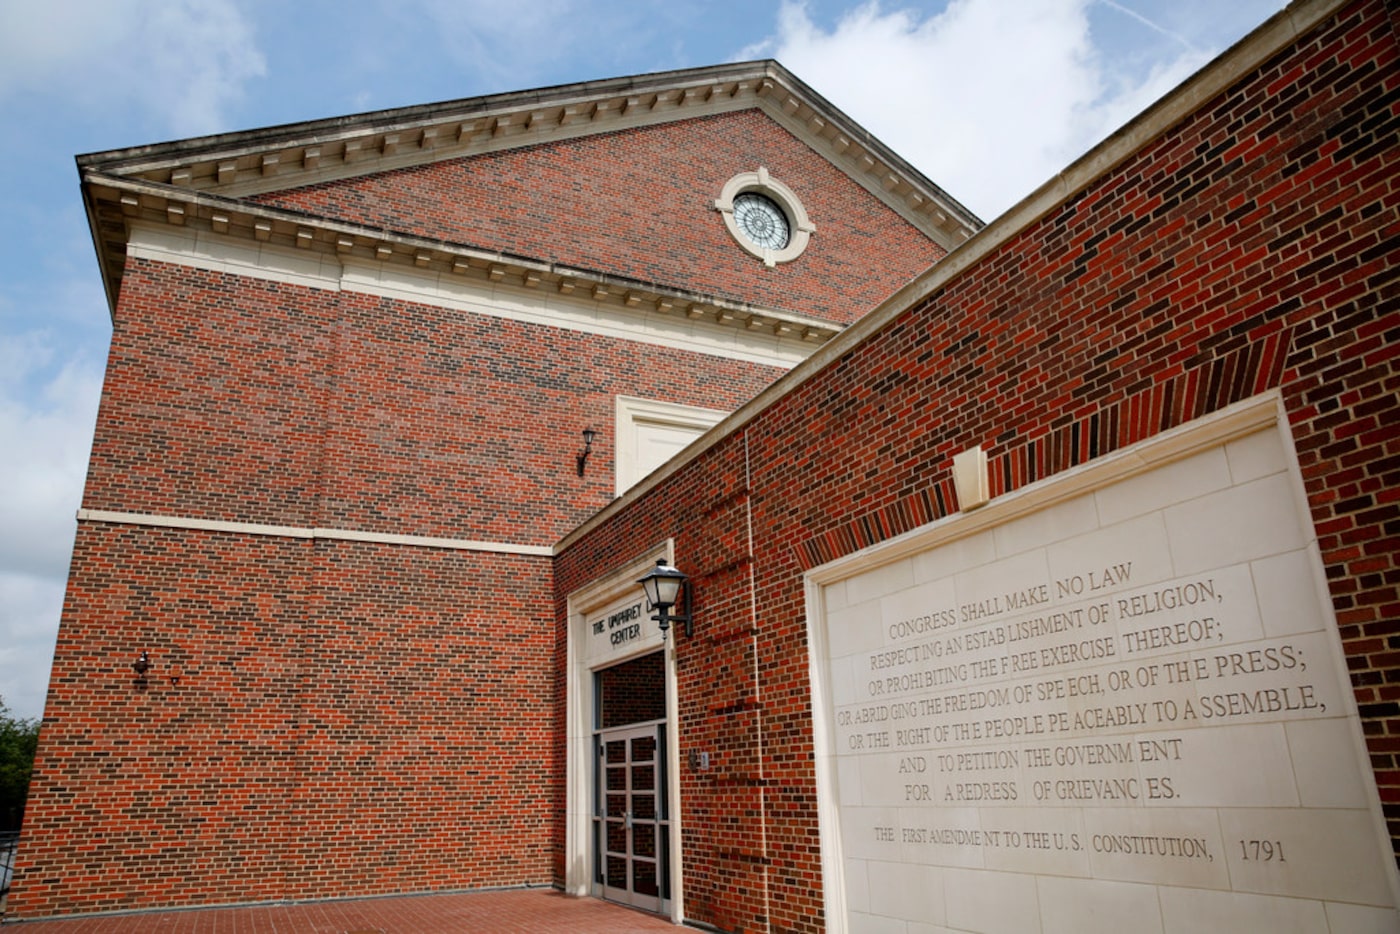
(238, 165)
(361, 153)
(498, 287)
(288, 531)
(200, 182)
(145, 204)
(204, 250)
(875, 168)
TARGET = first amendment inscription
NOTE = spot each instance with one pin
(1136, 686)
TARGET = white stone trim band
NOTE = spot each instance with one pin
(290, 531)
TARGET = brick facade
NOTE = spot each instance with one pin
(640, 203)
(328, 717)
(1253, 246)
(325, 514)
(237, 399)
(306, 730)
(346, 718)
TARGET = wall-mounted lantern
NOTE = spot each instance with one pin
(142, 664)
(588, 435)
(666, 587)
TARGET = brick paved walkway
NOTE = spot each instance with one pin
(536, 911)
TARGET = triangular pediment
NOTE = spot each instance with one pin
(238, 183)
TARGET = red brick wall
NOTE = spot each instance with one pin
(640, 203)
(237, 399)
(425, 712)
(215, 395)
(1255, 246)
(145, 790)
(349, 719)
(319, 720)
(632, 692)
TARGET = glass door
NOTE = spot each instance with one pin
(631, 827)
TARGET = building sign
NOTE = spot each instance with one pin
(619, 630)
(620, 626)
(1135, 686)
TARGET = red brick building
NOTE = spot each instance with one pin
(343, 426)
(339, 500)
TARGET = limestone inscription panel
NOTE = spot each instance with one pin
(1135, 687)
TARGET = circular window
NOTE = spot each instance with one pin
(761, 220)
(764, 217)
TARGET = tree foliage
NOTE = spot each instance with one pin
(18, 739)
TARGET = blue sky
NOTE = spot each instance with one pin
(989, 98)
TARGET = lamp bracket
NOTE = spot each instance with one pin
(582, 458)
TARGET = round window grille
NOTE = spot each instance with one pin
(761, 220)
(765, 217)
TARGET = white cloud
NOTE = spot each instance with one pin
(502, 40)
(183, 63)
(988, 98)
(47, 436)
(46, 419)
(1129, 98)
(29, 611)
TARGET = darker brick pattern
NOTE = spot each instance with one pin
(640, 203)
(1255, 246)
(1199, 391)
(321, 720)
(632, 692)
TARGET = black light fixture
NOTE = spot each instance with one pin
(666, 587)
(588, 435)
(142, 663)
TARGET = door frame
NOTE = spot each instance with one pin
(585, 655)
(654, 730)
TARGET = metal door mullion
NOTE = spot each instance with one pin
(632, 858)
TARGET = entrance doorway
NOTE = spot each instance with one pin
(631, 813)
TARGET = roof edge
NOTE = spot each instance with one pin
(171, 156)
(246, 164)
(395, 117)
